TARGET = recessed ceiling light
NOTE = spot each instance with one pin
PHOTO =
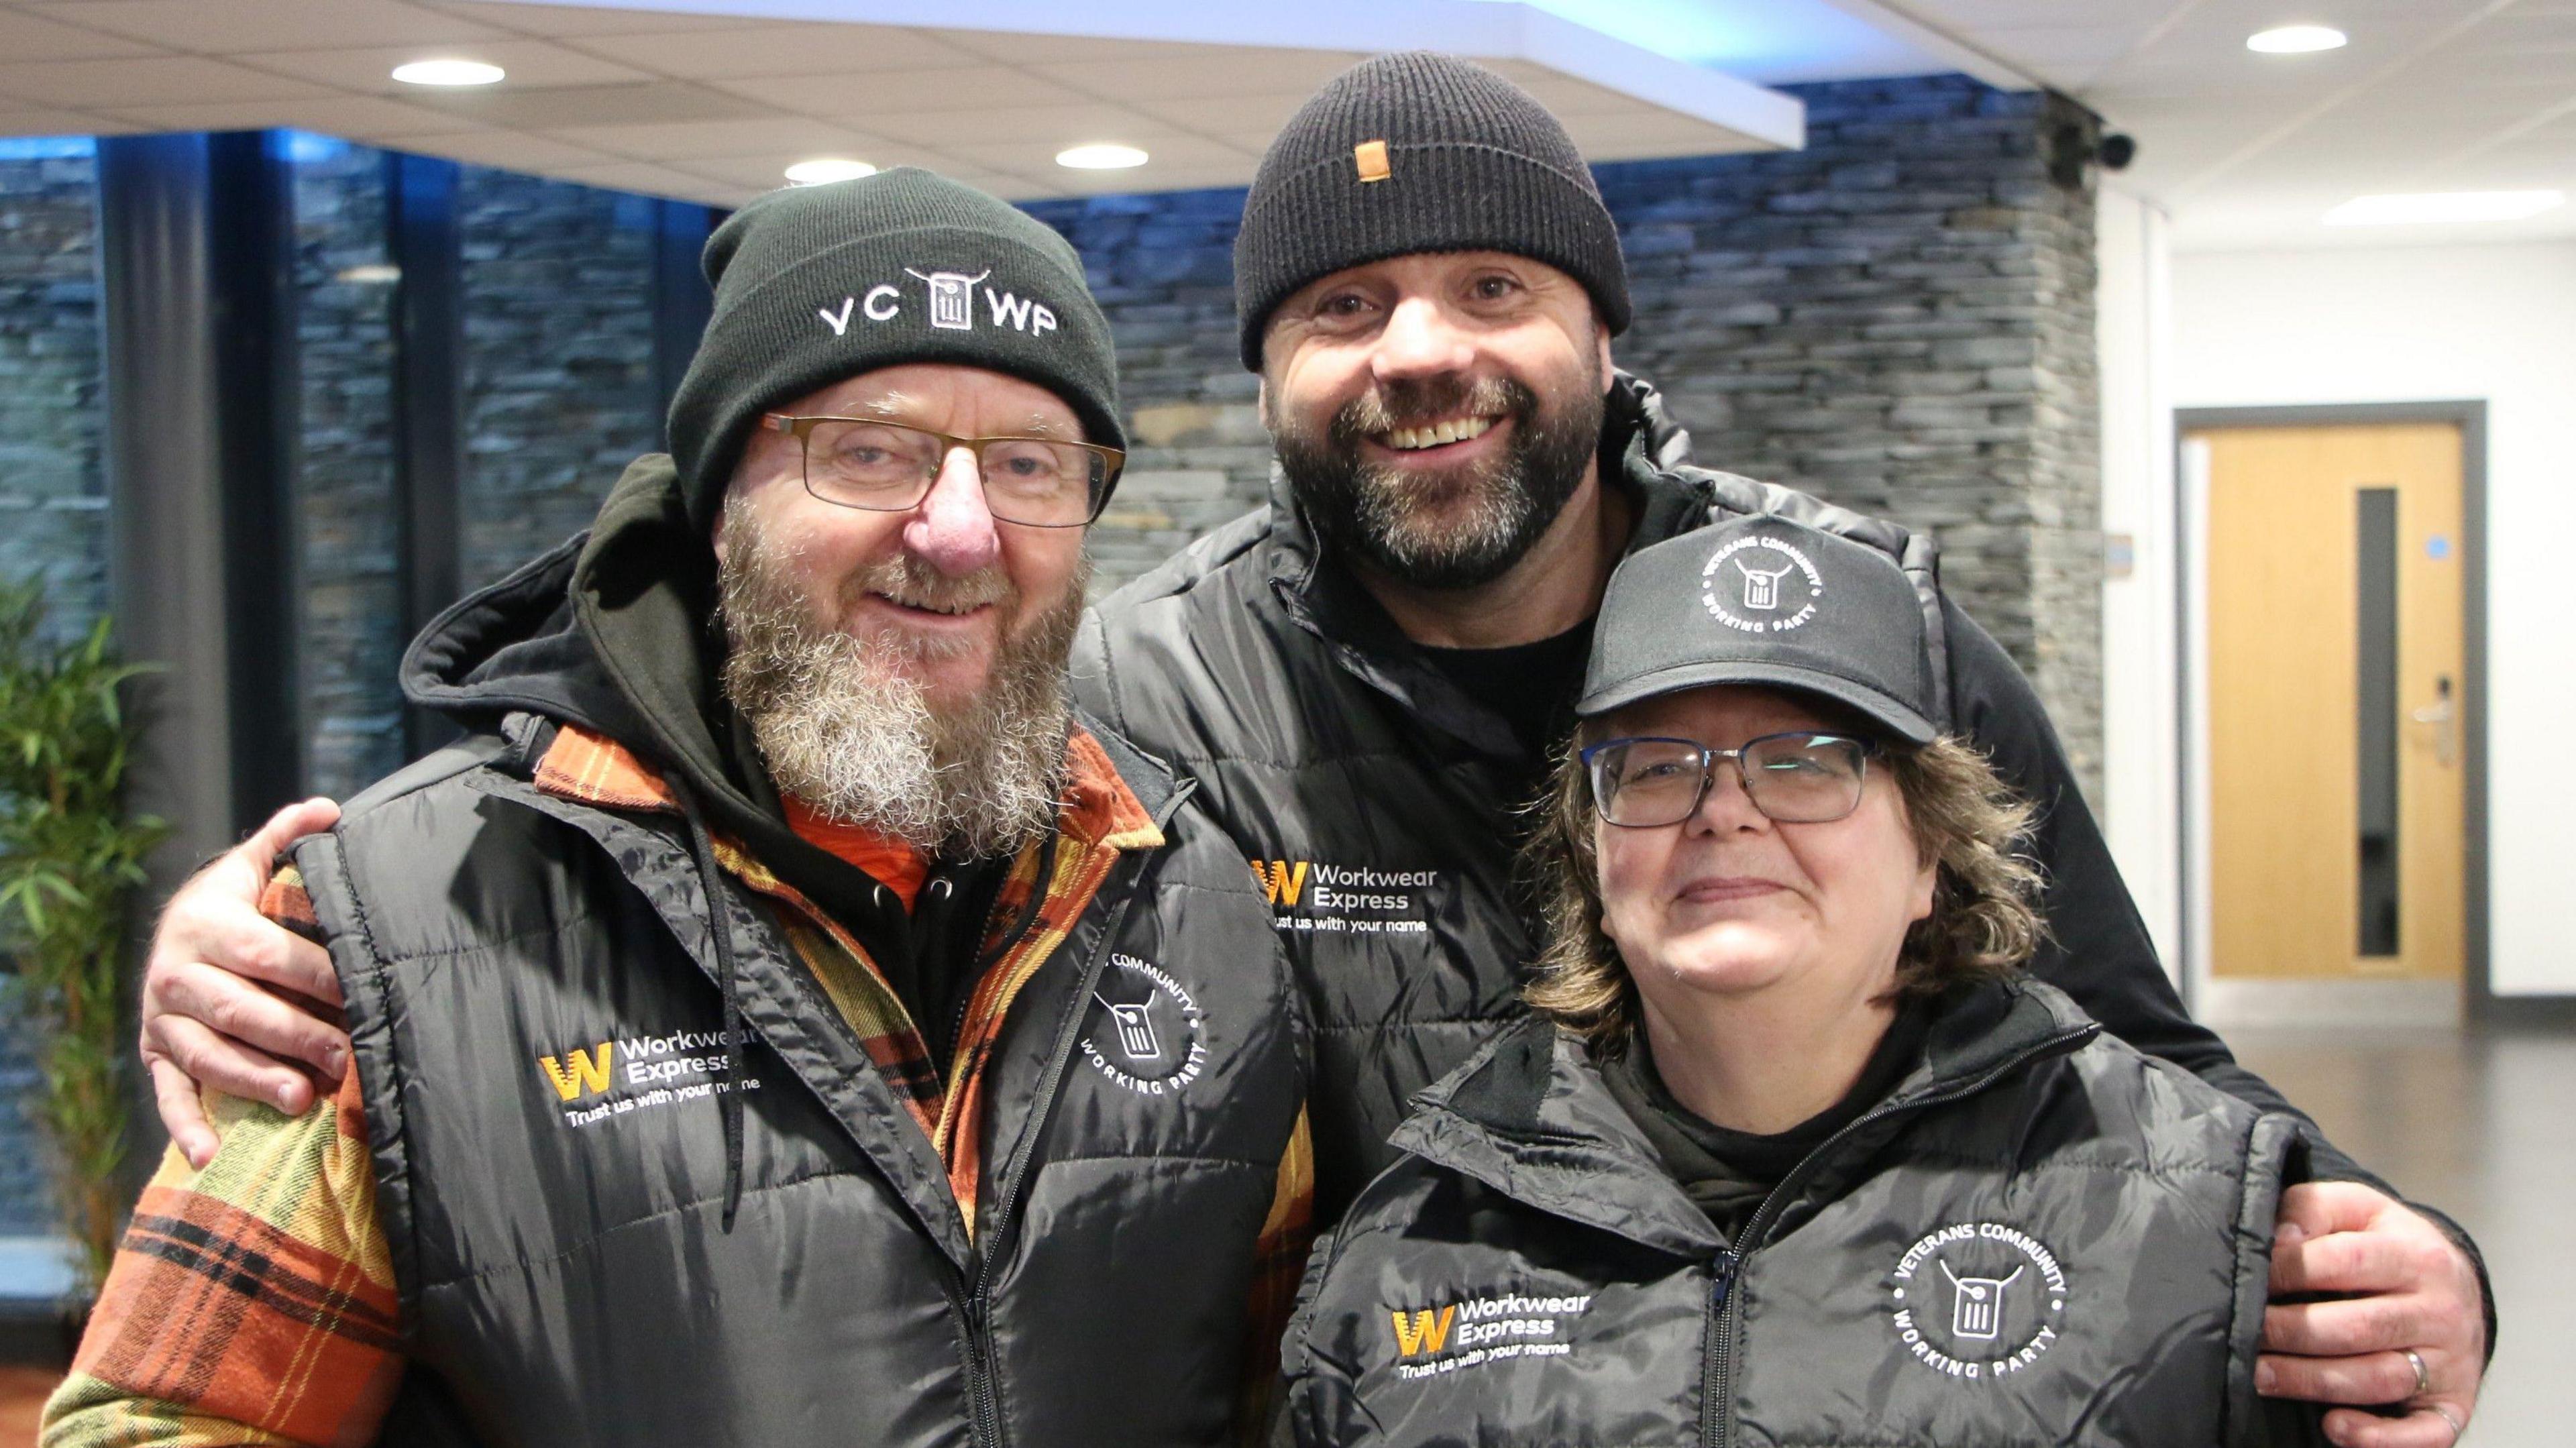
(828, 168)
(369, 274)
(2425, 208)
(2296, 39)
(448, 72)
(1100, 158)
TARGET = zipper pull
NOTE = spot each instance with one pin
(1722, 1280)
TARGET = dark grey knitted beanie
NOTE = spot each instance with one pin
(819, 283)
(1419, 152)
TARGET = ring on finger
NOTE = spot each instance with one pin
(2457, 1427)
(2423, 1380)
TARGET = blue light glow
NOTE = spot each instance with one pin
(45, 148)
(1762, 39)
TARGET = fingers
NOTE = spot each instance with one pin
(2346, 1261)
(207, 926)
(2423, 1427)
(2316, 1209)
(225, 1004)
(182, 1114)
(304, 817)
(232, 1068)
(2363, 1380)
(2348, 1327)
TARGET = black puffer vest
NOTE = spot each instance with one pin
(2040, 1237)
(534, 997)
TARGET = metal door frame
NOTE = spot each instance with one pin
(2470, 416)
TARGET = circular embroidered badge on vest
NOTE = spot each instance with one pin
(1145, 1032)
(1761, 585)
(1977, 1300)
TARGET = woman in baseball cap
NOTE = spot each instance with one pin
(1792, 1152)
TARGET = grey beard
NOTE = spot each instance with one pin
(843, 728)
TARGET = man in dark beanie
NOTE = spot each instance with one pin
(1371, 677)
(781, 1019)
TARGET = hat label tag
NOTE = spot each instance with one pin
(1370, 158)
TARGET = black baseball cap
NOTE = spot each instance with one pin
(1765, 601)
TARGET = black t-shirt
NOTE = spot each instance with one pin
(1728, 1173)
(1533, 686)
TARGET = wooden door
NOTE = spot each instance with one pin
(2335, 709)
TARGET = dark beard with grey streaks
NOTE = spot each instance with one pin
(844, 727)
(1384, 515)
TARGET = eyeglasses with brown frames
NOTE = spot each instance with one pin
(889, 467)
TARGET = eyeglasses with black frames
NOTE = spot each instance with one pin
(1799, 779)
(889, 467)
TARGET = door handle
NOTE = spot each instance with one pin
(2445, 722)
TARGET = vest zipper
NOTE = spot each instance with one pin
(987, 1425)
(1717, 1407)
(984, 1416)
(1717, 1375)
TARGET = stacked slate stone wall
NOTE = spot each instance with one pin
(53, 494)
(1898, 317)
(352, 634)
(53, 506)
(560, 392)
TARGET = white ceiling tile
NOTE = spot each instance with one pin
(768, 170)
(653, 180)
(164, 80)
(33, 37)
(1014, 48)
(1224, 115)
(356, 117)
(883, 92)
(1141, 181)
(568, 21)
(1229, 71)
(530, 63)
(659, 102)
(789, 136)
(1061, 126)
(56, 123)
(227, 27)
(1038, 157)
(507, 150)
(781, 50)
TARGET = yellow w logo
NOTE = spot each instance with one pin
(1426, 1333)
(1282, 880)
(589, 1071)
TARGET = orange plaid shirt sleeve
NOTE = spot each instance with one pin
(251, 1302)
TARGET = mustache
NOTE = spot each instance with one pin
(908, 580)
(1413, 402)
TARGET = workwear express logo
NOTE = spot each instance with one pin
(1978, 1301)
(1472, 1333)
(634, 1073)
(1761, 585)
(947, 301)
(1309, 895)
(1147, 1033)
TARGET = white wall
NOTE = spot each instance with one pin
(2141, 776)
(2412, 324)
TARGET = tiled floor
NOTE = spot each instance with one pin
(2482, 1125)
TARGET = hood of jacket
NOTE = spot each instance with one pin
(1530, 1116)
(615, 631)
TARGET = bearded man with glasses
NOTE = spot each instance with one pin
(783, 1018)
